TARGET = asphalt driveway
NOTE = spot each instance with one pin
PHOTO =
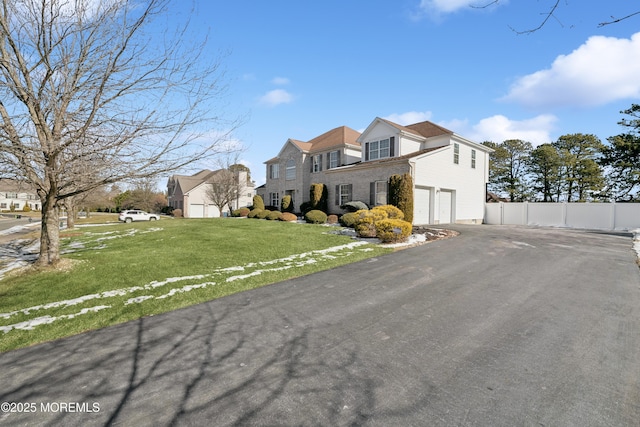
(501, 326)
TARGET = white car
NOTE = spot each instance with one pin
(136, 215)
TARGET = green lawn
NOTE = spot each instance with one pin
(122, 272)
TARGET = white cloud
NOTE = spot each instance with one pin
(602, 70)
(409, 117)
(499, 128)
(445, 6)
(276, 97)
(280, 81)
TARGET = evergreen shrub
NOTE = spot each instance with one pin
(241, 212)
(254, 213)
(258, 203)
(366, 220)
(354, 206)
(315, 217)
(318, 197)
(274, 215)
(262, 214)
(401, 194)
(287, 206)
(348, 219)
(393, 230)
(392, 211)
(288, 216)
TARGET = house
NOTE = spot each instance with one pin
(190, 193)
(15, 195)
(449, 171)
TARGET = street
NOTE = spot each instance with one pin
(500, 326)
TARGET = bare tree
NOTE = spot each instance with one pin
(225, 185)
(92, 94)
(550, 13)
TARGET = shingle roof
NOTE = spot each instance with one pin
(425, 129)
(370, 163)
(188, 183)
(335, 137)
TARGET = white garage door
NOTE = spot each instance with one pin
(196, 211)
(421, 206)
(445, 207)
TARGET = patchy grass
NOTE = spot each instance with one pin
(116, 273)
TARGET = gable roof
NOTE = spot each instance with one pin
(188, 183)
(425, 129)
(335, 137)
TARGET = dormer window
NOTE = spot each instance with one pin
(379, 149)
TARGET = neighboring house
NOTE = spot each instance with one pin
(17, 194)
(449, 171)
(189, 193)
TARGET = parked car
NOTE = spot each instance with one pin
(137, 215)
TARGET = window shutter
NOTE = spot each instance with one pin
(337, 195)
(366, 151)
(372, 194)
(392, 143)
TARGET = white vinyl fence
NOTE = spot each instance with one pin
(600, 216)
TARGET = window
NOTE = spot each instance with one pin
(316, 163)
(12, 195)
(274, 171)
(3, 206)
(334, 159)
(343, 193)
(378, 193)
(473, 159)
(456, 153)
(275, 199)
(291, 169)
(379, 149)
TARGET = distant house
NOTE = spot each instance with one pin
(189, 193)
(16, 195)
(449, 171)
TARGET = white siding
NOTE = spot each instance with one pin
(437, 170)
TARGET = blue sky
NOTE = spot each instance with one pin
(297, 69)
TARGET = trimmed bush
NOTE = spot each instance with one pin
(263, 214)
(318, 197)
(332, 219)
(288, 216)
(26, 208)
(354, 206)
(241, 212)
(287, 206)
(392, 211)
(401, 194)
(366, 220)
(253, 213)
(348, 219)
(274, 215)
(393, 230)
(177, 213)
(315, 217)
(258, 203)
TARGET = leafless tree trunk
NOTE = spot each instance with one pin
(89, 95)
